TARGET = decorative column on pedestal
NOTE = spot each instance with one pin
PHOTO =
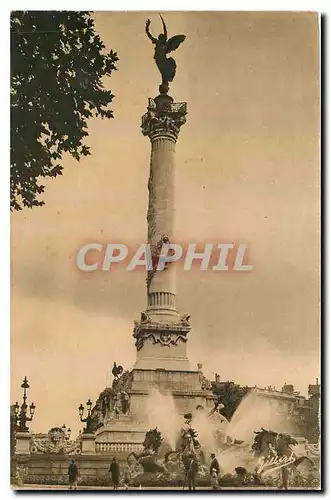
(161, 334)
(20, 419)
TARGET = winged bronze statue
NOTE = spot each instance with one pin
(162, 47)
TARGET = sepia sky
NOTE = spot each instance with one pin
(247, 171)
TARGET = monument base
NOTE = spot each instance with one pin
(161, 345)
(184, 386)
(127, 432)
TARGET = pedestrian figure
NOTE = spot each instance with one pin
(20, 475)
(73, 474)
(214, 479)
(192, 471)
(114, 469)
(214, 471)
(126, 477)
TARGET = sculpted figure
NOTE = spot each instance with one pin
(117, 370)
(185, 319)
(162, 47)
(125, 401)
(144, 318)
(55, 443)
(273, 449)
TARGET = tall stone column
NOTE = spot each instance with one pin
(161, 333)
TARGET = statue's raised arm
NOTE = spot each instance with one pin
(162, 47)
(150, 36)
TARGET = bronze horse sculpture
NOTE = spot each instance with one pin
(275, 450)
(148, 458)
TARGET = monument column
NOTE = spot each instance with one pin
(161, 333)
(161, 124)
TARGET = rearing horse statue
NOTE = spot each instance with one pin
(277, 446)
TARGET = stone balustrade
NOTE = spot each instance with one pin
(115, 447)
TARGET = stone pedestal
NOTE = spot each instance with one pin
(161, 345)
(124, 434)
(184, 386)
(88, 444)
(23, 443)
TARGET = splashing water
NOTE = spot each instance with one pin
(255, 411)
(207, 428)
(232, 457)
(162, 413)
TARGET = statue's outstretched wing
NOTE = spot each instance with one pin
(174, 42)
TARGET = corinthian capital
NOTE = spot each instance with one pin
(163, 118)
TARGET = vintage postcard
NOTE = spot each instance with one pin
(165, 249)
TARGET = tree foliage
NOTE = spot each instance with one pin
(230, 395)
(58, 64)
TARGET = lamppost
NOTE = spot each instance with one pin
(67, 432)
(20, 413)
(87, 420)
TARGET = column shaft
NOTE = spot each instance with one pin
(162, 287)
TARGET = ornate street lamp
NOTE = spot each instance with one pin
(86, 420)
(16, 409)
(81, 411)
(67, 432)
(32, 409)
(89, 406)
(20, 413)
